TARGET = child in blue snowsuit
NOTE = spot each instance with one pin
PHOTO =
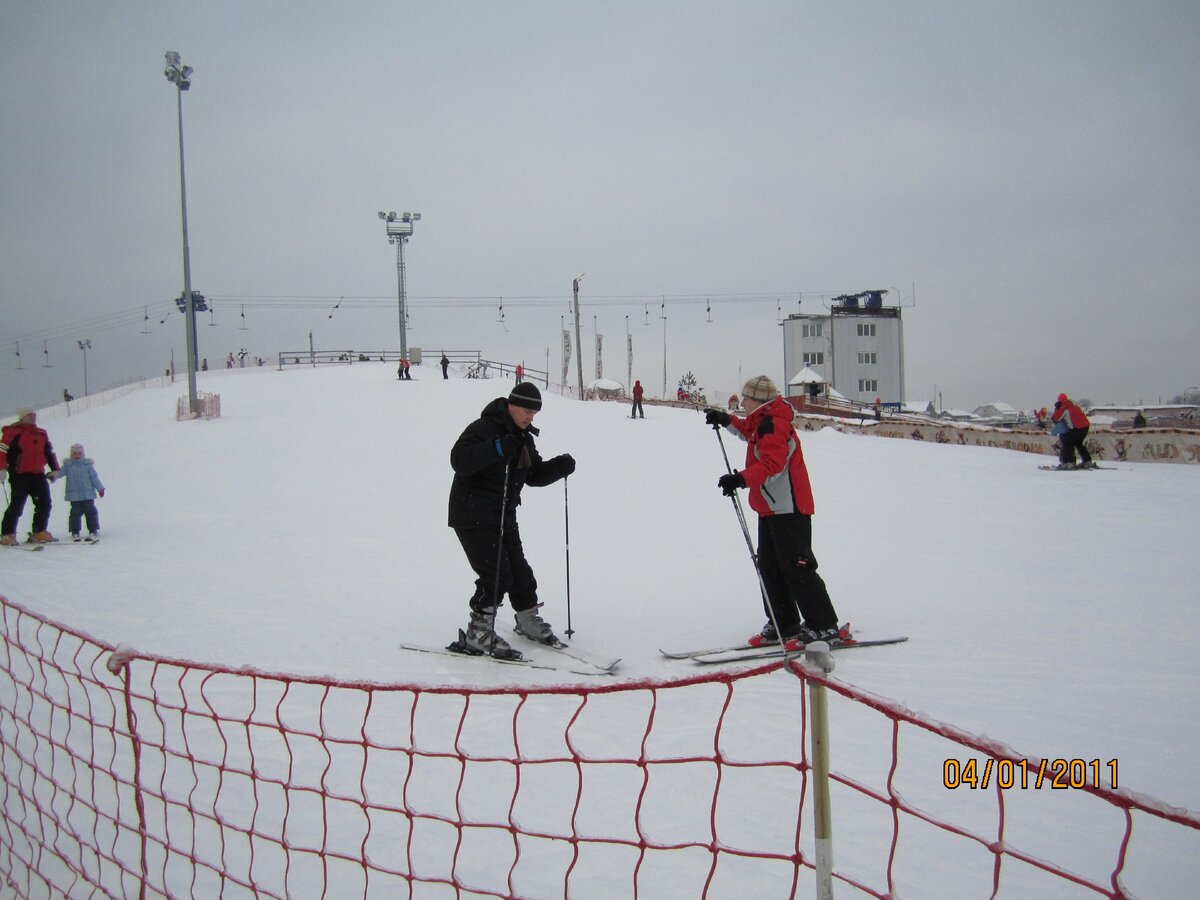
(82, 486)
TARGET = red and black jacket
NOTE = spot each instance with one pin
(775, 472)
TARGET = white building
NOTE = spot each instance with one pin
(857, 347)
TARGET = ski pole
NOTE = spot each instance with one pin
(737, 506)
(567, 529)
(500, 549)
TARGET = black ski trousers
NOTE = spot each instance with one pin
(516, 576)
(23, 487)
(1071, 441)
(796, 592)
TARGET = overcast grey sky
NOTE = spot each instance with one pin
(1029, 169)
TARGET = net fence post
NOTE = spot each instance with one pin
(819, 655)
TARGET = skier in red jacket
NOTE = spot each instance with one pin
(636, 409)
(25, 452)
(1074, 438)
(781, 495)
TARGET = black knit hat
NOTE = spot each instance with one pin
(526, 395)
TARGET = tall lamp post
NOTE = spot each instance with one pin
(399, 230)
(181, 76)
(85, 346)
(578, 345)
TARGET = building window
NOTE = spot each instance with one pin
(811, 331)
(867, 359)
(868, 385)
(814, 359)
(866, 329)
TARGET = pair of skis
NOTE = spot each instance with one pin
(1076, 468)
(34, 546)
(745, 652)
(569, 659)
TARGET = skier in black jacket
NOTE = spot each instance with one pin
(493, 459)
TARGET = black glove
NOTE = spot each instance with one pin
(508, 446)
(566, 464)
(717, 418)
(730, 483)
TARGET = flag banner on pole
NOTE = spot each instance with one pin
(599, 356)
(566, 356)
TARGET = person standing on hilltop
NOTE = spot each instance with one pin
(493, 459)
(636, 411)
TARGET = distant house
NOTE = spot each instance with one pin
(997, 414)
(957, 415)
(919, 408)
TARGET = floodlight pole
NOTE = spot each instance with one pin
(578, 345)
(181, 75)
(85, 346)
(399, 230)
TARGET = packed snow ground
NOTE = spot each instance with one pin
(304, 532)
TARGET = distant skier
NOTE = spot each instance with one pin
(781, 495)
(493, 459)
(83, 484)
(445, 364)
(25, 452)
(520, 373)
(636, 411)
(1077, 426)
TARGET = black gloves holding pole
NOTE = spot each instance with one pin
(730, 483)
(716, 418)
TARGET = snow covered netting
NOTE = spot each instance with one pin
(128, 774)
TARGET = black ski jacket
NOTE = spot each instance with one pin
(477, 491)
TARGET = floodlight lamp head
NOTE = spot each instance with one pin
(172, 58)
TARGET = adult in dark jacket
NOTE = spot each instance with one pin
(493, 460)
(1077, 425)
(797, 600)
(25, 452)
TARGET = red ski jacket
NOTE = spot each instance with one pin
(1066, 409)
(25, 450)
(637, 390)
(775, 472)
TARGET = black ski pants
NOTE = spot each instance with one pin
(636, 410)
(1073, 440)
(25, 486)
(796, 592)
(516, 576)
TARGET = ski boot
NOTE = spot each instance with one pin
(41, 537)
(531, 625)
(480, 638)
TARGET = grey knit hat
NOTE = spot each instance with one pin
(760, 388)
